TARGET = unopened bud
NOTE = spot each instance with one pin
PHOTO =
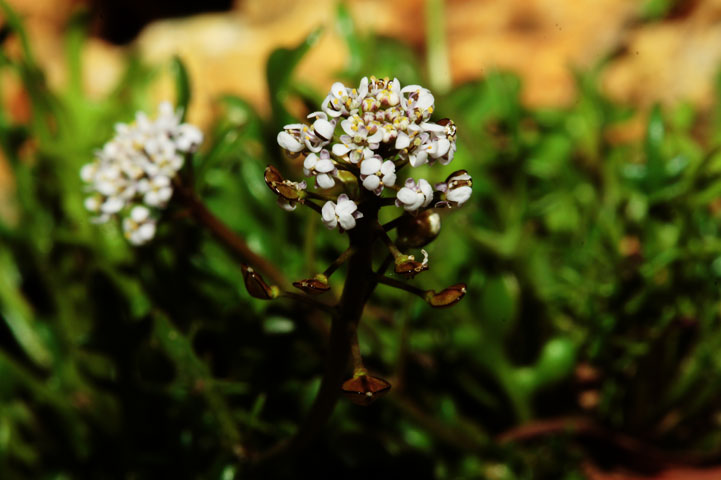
(364, 389)
(418, 231)
(256, 286)
(456, 190)
(313, 286)
(446, 297)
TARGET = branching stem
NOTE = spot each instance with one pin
(234, 243)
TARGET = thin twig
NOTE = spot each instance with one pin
(387, 227)
(342, 258)
(388, 242)
(231, 240)
(392, 282)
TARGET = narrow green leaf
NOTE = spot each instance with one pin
(182, 85)
(279, 69)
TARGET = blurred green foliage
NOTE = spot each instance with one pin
(154, 362)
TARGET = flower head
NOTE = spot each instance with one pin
(132, 174)
(362, 136)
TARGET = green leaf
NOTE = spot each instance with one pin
(18, 314)
(182, 85)
(655, 165)
(346, 28)
(279, 69)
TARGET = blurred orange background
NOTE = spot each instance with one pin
(669, 60)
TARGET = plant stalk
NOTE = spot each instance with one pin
(360, 281)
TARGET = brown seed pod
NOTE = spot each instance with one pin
(313, 286)
(446, 297)
(418, 231)
(291, 191)
(256, 286)
(410, 268)
(364, 389)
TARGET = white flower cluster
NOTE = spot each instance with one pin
(383, 127)
(132, 174)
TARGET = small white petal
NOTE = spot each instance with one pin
(345, 207)
(147, 231)
(363, 87)
(289, 142)
(286, 205)
(92, 204)
(310, 161)
(432, 127)
(443, 146)
(338, 90)
(324, 181)
(87, 173)
(346, 221)
(402, 141)
(388, 167)
(459, 195)
(370, 166)
(389, 180)
(339, 149)
(376, 137)
(139, 214)
(407, 196)
(112, 205)
(372, 182)
(328, 215)
(325, 166)
(418, 158)
(324, 129)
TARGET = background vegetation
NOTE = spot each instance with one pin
(589, 336)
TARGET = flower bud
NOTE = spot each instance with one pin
(256, 286)
(313, 286)
(364, 389)
(446, 297)
(418, 231)
(456, 190)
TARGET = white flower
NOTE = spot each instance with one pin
(341, 100)
(137, 167)
(297, 137)
(456, 190)
(383, 125)
(289, 142)
(156, 191)
(286, 205)
(322, 127)
(414, 195)
(345, 213)
(322, 167)
(138, 227)
(419, 102)
(376, 174)
(188, 137)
